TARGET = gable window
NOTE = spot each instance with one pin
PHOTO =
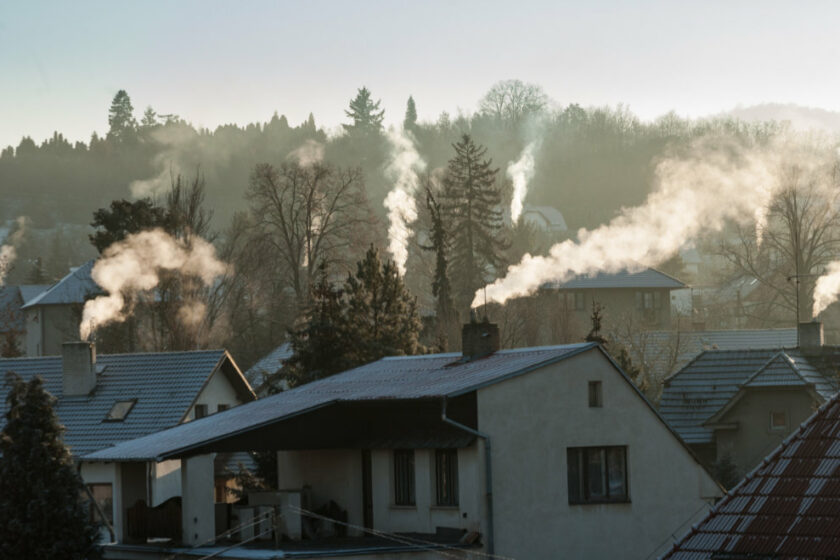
(221, 407)
(596, 397)
(404, 477)
(120, 410)
(597, 474)
(446, 477)
(200, 411)
(778, 421)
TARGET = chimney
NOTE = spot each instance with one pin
(810, 335)
(479, 339)
(79, 367)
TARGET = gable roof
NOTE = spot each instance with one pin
(647, 278)
(269, 364)
(164, 385)
(695, 394)
(433, 376)
(76, 287)
(552, 216)
(30, 291)
(788, 507)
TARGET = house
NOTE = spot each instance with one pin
(106, 399)
(741, 404)
(545, 218)
(546, 452)
(785, 509)
(268, 367)
(641, 298)
(12, 321)
(52, 318)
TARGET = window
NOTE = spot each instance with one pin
(597, 474)
(574, 300)
(778, 421)
(200, 411)
(103, 495)
(404, 477)
(596, 397)
(120, 410)
(221, 407)
(446, 477)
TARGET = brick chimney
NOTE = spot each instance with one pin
(479, 339)
(78, 367)
(810, 335)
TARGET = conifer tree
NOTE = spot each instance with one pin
(445, 315)
(410, 121)
(367, 116)
(42, 513)
(123, 126)
(471, 205)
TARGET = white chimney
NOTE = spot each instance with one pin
(79, 367)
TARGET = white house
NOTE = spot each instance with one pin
(107, 399)
(546, 452)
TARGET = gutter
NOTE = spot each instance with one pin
(488, 472)
(96, 505)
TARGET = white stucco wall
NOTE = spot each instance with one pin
(217, 391)
(332, 475)
(107, 473)
(532, 420)
(424, 516)
(166, 481)
(198, 517)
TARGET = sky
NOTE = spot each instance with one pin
(216, 62)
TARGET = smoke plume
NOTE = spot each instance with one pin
(173, 139)
(521, 172)
(403, 169)
(134, 265)
(8, 251)
(827, 288)
(718, 182)
(310, 153)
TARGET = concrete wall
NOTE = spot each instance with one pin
(533, 419)
(424, 516)
(753, 439)
(198, 513)
(217, 391)
(107, 473)
(332, 475)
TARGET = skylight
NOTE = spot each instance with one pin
(120, 410)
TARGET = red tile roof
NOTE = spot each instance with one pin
(788, 507)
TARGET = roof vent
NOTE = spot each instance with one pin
(479, 339)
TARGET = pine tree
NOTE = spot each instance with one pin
(150, 118)
(445, 315)
(123, 126)
(42, 514)
(367, 116)
(410, 121)
(471, 204)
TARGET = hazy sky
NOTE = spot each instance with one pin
(215, 62)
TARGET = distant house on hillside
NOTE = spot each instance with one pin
(740, 404)
(641, 297)
(267, 368)
(107, 399)
(52, 318)
(786, 509)
(538, 453)
(12, 319)
(545, 218)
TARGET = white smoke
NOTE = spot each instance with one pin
(827, 288)
(134, 264)
(521, 172)
(174, 139)
(8, 251)
(720, 181)
(403, 169)
(310, 153)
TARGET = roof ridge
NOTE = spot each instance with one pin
(763, 367)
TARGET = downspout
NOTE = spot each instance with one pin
(488, 472)
(96, 505)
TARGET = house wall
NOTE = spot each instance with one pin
(532, 420)
(331, 474)
(107, 473)
(425, 516)
(619, 303)
(217, 391)
(166, 480)
(753, 439)
(48, 327)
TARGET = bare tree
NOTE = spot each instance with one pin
(307, 215)
(801, 237)
(510, 101)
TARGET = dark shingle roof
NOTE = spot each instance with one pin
(269, 364)
(703, 387)
(164, 384)
(788, 507)
(76, 287)
(30, 291)
(648, 278)
(409, 377)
